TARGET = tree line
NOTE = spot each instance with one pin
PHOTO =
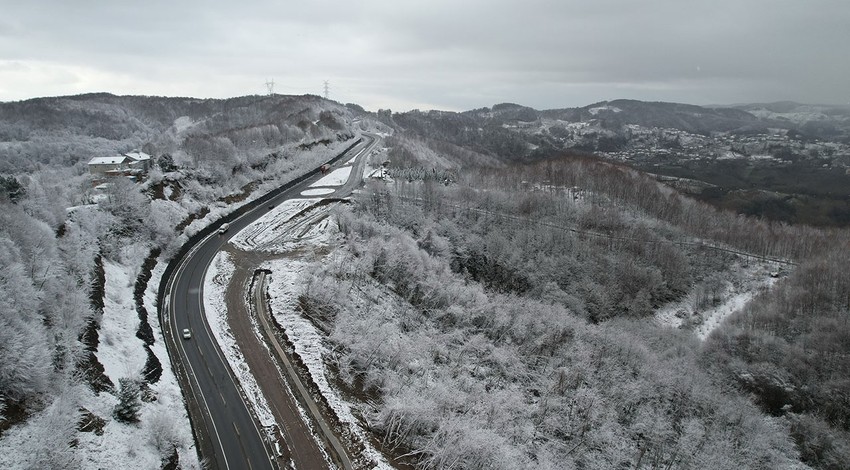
(499, 334)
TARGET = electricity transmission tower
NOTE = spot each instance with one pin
(270, 86)
(327, 89)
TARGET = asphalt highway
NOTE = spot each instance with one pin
(226, 424)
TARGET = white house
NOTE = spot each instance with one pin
(133, 163)
(101, 166)
(140, 159)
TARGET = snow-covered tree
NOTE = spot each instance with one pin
(129, 400)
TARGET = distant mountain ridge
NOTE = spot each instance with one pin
(69, 129)
(685, 117)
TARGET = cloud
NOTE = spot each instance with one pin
(450, 55)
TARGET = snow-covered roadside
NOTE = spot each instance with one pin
(285, 284)
(745, 283)
(163, 422)
(215, 307)
(168, 390)
(218, 209)
(265, 229)
(122, 355)
(337, 177)
(163, 425)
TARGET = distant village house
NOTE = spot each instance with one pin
(133, 164)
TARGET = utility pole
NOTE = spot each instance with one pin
(270, 86)
(327, 89)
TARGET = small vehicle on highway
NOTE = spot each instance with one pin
(224, 227)
(186, 333)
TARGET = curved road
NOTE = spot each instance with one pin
(226, 427)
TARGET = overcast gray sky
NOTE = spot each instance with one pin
(434, 54)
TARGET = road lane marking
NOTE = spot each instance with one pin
(169, 313)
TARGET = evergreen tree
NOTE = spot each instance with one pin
(129, 402)
(11, 188)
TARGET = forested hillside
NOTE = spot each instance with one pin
(494, 302)
(501, 315)
(67, 130)
(77, 259)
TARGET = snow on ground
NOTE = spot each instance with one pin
(598, 109)
(167, 389)
(378, 172)
(265, 229)
(285, 285)
(337, 177)
(134, 445)
(746, 282)
(163, 423)
(122, 355)
(120, 351)
(317, 191)
(215, 285)
(182, 124)
(713, 317)
(730, 155)
(73, 209)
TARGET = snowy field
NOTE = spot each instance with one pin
(337, 177)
